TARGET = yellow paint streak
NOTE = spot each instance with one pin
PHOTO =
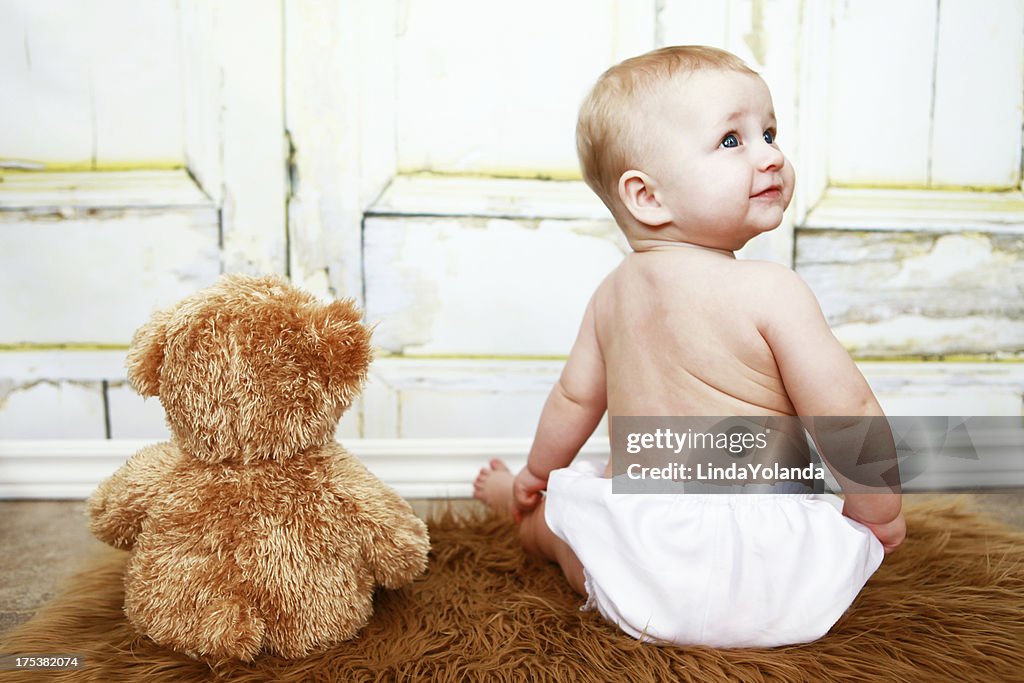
(498, 172)
(952, 358)
(994, 189)
(380, 353)
(70, 346)
(87, 166)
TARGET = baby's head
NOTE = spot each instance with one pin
(679, 144)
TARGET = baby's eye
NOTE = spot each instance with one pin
(769, 136)
(730, 140)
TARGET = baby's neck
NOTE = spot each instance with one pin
(663, 245)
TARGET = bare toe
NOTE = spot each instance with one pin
(493, 485)
(480, 484)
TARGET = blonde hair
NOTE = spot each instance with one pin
(608, 128)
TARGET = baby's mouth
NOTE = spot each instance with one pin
(773, 192)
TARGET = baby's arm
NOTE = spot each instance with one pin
(822, 381)
(571, 413)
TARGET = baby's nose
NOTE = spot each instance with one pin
(770, 157)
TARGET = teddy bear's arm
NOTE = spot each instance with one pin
(395, 541)
(118, 506)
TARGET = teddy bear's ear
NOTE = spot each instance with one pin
(146, 354)
(345, 352)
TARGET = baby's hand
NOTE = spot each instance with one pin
(526, 490)
(891, 534)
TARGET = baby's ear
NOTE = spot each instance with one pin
(638, 193)
(344, 352)
(146, 354)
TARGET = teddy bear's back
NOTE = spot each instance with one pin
(274, 541)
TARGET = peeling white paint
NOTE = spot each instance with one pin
(52, 410)
(910, 293)
(905, 335)
(963, 259)
(482, 286)
(81, 365)
(103, 278)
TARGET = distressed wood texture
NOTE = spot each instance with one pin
(919, 210)
(471, 266)
(813, 72)
(90, 85)
(483, 286)
(916, 108)
(979, 109)
(75, 394)
(881, 91)
(342, 136)
(52, 409)
(918, 294)
(233, 68)
(56, 394)
(84, 259)
(463, 398)
(426, 195)
(947, 388)
(525, 80)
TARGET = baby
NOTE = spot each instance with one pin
(680, 144)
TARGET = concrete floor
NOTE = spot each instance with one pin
(43, 542)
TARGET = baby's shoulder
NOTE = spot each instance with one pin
(767, 278)
(763, 269)
(771, 293)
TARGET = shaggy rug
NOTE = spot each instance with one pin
(949, 606)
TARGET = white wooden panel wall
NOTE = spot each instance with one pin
(85, 257)
(464, 398)
(979, 94)
(90, 84)
(881, 92)
(233, 61)
(44, 395)
(344, 96)
(341, 134)
(927, 94)
(918, 293)
(493, 87)
(483, 286)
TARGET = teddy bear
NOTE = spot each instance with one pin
(252, 530)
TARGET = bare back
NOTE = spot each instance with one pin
(678, 336)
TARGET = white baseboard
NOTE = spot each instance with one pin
(416, 468)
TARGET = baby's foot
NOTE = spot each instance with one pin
(494, 486)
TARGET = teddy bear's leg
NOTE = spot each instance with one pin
(192, 604)
(335, 602)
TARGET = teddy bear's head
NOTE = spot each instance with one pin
(251, 368)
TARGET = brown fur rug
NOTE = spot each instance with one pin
(949, 606)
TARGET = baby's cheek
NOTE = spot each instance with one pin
(788, 180)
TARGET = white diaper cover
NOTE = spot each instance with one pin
(723, 570)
